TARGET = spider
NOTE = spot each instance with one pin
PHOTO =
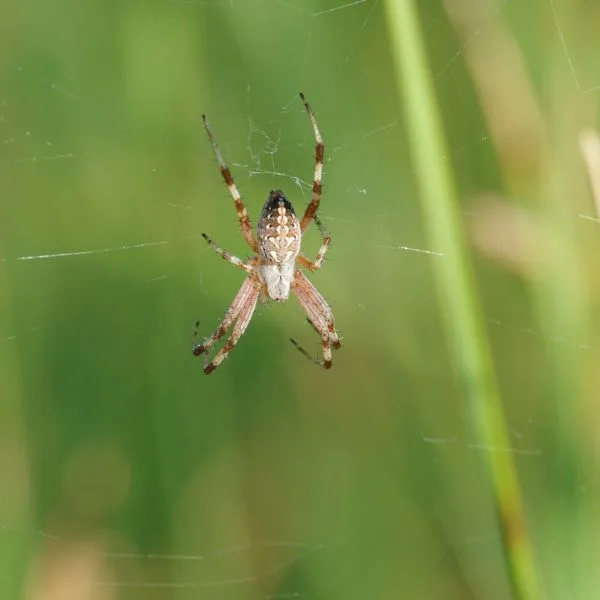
(273, 269)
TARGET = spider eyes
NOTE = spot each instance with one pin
(276, 199)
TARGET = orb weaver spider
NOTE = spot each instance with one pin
(273, 269)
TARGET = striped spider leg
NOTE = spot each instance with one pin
(235, 194)
(319, 316)
(272, 272)
(239, 313)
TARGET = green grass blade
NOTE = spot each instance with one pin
(456, 287)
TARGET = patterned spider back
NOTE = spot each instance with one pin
(278, 243)
(278, 230)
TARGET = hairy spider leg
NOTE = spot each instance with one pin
(319, 316)
(306, 262)
(234, 260)
(309, 292)
(311, 209)
(245, 315)
(247, 295)
(235, 194)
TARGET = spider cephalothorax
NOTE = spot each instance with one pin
(273, 270)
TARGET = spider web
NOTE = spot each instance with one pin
(131, 475)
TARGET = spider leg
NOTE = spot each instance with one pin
(248, 293)
(234, 260)
(235, 194)
(326, 361)
(240, 326)
(319, 316)
(307, 263)
(316, 306)
(313, 206)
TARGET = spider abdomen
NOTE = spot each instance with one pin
(278, 279)
(279, 243)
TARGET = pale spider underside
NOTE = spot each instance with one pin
(273, 269)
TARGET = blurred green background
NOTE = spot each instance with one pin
(125, 472)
